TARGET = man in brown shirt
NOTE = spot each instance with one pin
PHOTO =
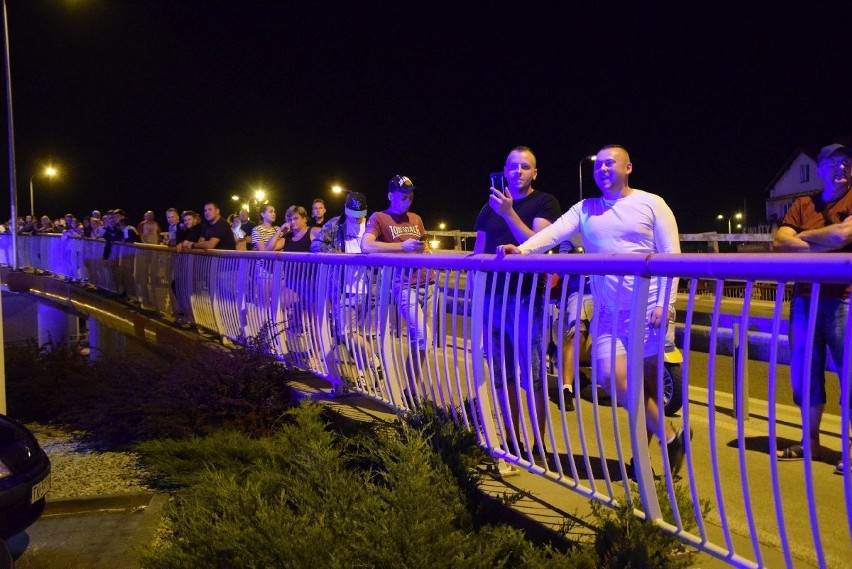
(818, 223)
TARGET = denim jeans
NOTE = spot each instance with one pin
(415, 306)
(527, 343)
(828, 337)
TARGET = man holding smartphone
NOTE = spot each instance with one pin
(397, 230)
(511, 216)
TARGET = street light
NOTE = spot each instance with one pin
(48, 172)
(337, 189)
(244, 205)
(591, 157)
(258, 200)
(738, 216)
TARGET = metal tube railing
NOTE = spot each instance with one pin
(372, 348)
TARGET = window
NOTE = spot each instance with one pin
(804, 173)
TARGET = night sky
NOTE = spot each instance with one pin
(150, 104)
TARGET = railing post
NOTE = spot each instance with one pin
(739, 351)
(479, 334)
(636, 399)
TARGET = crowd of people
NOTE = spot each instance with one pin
(519, 219)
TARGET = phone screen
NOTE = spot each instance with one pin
(498, 181)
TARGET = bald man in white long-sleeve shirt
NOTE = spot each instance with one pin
(622, 220)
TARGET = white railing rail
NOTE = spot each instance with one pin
(341, 317)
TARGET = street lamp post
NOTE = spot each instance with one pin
(49, 172)
(737, 215)
(13, 182)
(591, 157)
(258, 200)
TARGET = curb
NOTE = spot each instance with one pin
(108, 502)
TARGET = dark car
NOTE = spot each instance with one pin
(24, 478)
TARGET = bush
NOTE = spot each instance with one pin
(298, 499)
(122, 400)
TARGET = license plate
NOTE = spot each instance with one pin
(39, 490)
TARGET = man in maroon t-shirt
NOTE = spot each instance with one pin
(818, 223)
(397, 230)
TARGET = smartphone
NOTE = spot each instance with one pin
(498, 181)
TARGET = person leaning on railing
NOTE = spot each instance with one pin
(397, 230)
(512, 215)
(266, 236)
(351, 302)
(623, 220)
(820, 223)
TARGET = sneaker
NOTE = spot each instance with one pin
(506, 469)
(569, 398)
(631, 471)
(677, 451)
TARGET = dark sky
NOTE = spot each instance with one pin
(149, 104)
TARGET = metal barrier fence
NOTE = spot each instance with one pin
(406, 328)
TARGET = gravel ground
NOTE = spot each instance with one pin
(78, 471)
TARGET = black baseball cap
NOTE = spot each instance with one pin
(401, 184)
(831, 149)
(356, 205)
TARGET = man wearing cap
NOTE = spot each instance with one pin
(397, 230)
(818, 223)
(343, 234)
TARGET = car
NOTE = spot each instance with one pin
(24, 478)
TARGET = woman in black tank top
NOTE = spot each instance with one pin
(300, 236)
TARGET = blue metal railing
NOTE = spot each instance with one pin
(341, 317)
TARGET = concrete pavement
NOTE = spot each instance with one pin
(99, 532)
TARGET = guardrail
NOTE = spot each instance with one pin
(343, 317)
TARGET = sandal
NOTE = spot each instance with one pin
(792, 452)
(796, 452)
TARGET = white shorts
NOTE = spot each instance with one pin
(609, 325)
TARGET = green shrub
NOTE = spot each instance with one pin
(122, 400)
(298, 499)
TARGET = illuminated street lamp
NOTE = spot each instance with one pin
(258, 200)
(244, 204)
(442, 226)
(738, 216)
(48, 172)
(337, 189)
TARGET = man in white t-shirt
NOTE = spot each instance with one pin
(623, 220)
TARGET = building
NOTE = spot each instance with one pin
(797, 178)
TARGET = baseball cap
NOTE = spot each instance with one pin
(356, 205)
(831, 149)
(401, 184)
